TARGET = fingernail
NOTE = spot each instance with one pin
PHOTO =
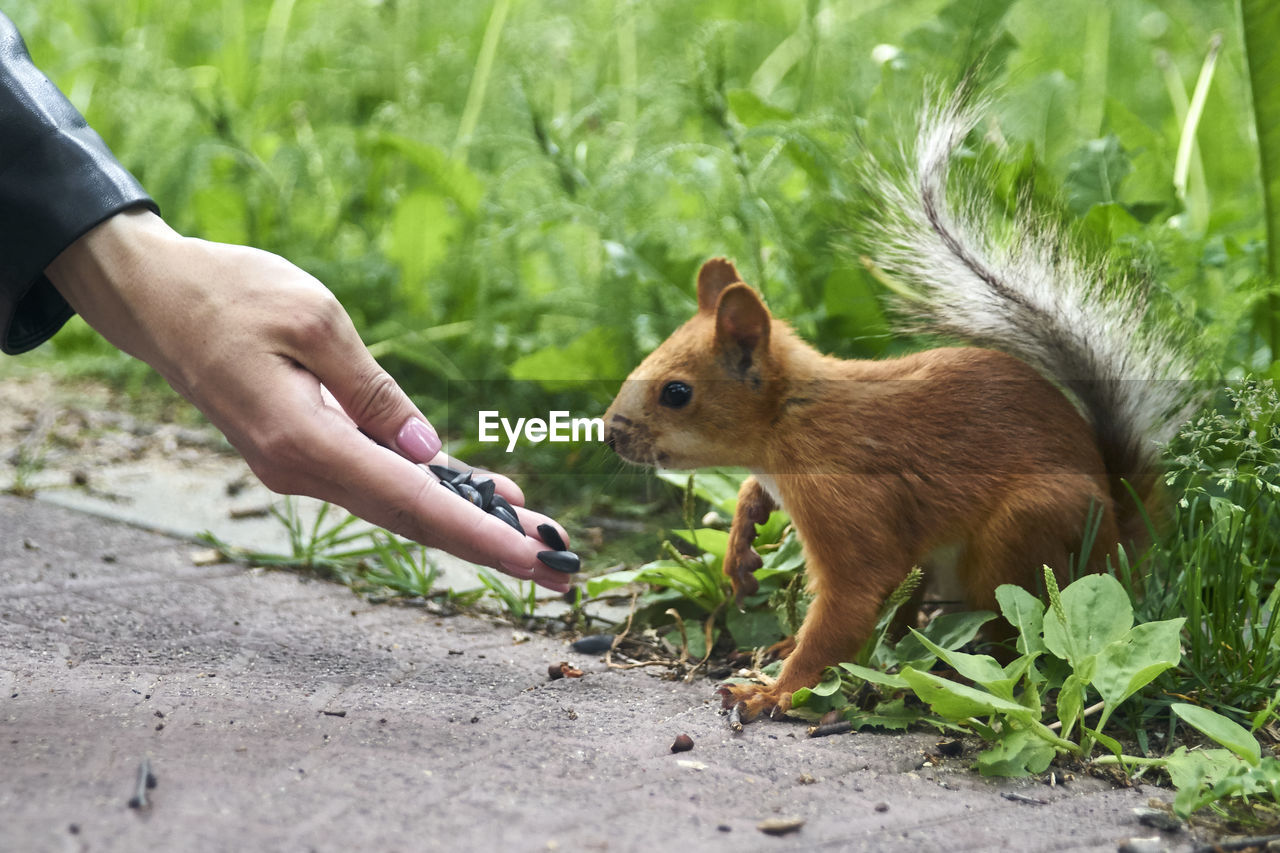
(418, 440)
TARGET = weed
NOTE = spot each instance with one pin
(1219, 562)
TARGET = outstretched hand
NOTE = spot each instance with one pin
(265, 351)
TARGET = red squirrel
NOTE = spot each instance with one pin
(1004, 448)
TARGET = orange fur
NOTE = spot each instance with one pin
(878, 463)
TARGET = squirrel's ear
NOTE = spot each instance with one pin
(742, 322)
(715, 275)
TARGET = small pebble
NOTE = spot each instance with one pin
(780, 825)
(683, 743)
(1142, 845)
(1157, 819)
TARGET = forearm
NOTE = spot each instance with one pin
(57, 181)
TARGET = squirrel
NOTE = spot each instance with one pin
(1004, 450)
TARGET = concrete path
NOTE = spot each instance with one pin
(284, 714)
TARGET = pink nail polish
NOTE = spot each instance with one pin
(418, 440)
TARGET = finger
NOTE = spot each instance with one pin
(531, 521)
(384, 488)
(326, 343)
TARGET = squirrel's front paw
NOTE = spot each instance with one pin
(752, 700)
(740, 565)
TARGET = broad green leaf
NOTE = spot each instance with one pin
(1111, 222)
(596, 354)
(949, 631)
(894, 715)
(1095, 172)
(423, 226)
(1018, 752)
(1097, 611)
(875, 676)
(613, 580)
(960, 701)
(716, 486)
(787, 558)
(829, 684)
(707, 539)
(696, 639)
(953, 630)
(980, 669)
(1025, 613)
(1128, 664)
(752, 629)
(1191, 771)
(1070, 702)
(1221, 729)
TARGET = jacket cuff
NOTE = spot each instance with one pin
(55, 193)
(58, 180)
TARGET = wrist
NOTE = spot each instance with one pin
(105, 275)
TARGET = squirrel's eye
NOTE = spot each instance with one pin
(675, 394)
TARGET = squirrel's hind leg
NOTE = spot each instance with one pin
(1040, 525)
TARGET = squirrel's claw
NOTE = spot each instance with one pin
(746, 702)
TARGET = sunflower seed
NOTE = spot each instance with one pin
(469, 492)
(552, 537)
(561, 561)
(504, 514)
(445, 474)
(486, 489)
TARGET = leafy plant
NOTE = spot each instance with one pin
(1219, 562)
(340, 547)
(1084, 644)
(698, 580)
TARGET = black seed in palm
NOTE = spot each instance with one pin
(552, 537)
(470, 493)
(504, 514)
(445, 474)
(486, 489)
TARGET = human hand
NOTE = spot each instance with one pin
(269, 356)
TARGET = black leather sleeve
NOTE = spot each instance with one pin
(57, 180)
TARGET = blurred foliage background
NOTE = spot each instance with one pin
(512, 198)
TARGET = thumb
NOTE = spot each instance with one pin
(384, 412)
(371, 398)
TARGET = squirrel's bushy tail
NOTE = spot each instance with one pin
(1020, 287)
